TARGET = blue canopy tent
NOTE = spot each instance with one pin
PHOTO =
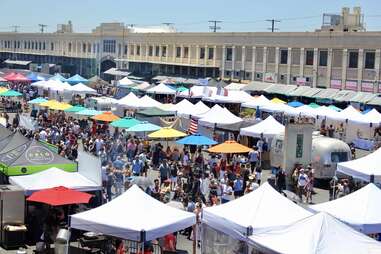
(33, 77)
(58, 77)
(295, 104)
(196, 139)
(76, 79)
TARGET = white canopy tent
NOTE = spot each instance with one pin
(200, 108)
(269, 128)
(363, 168)
(126, 82)
(128, 101)
(317, 234)
(257, 101)
(198, 92)
(142, 86)
(360, 209)
(82, 89)
(373, 116)
(54, 177)
(231, 97)
(235, 86)
(183, 106)
(147, 102)
(279, 108)
(197, 109)
(161, 89)
(133, 215)
(262, 208)
(219, 117)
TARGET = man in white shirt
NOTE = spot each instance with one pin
(253, 158)
(227, 193)
(43, 135)
(302, 182)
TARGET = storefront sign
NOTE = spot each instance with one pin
(367, 87)
(301, 81)
(336, 84)
(299, 145)
(269, 77)
(351, 85)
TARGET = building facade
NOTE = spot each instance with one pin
(339, 59)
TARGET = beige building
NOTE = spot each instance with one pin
(340, 55)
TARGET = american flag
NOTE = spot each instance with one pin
(193, 126)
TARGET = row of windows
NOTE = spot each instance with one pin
(155, 51)
(353, 58)
(35, 45)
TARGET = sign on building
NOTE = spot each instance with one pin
(301, 81)
(367, 87)
(269, 77)
(336, 84)
(351, 85)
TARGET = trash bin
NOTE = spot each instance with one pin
(62, 241)
(13, 236)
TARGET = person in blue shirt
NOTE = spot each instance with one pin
(118, 163)
(137, 166)
(238, 186)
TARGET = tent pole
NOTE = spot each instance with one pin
(142, 239)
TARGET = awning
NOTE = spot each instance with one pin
(363, 97)
(116, 72)
(328, 93)
(257, 86)
(281, 89)
(344, 95)
(17, 62)
(304, 91)
(375, 101)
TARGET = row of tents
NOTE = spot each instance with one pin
(271, 223)
(34, 77)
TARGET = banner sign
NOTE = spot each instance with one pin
(336, 84)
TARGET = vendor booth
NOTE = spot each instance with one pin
(360, 209)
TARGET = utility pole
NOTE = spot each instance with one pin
(273, 21)
(214, 26)
(15, 28)
(42, 27)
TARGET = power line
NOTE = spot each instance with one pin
(214, 27)
(42, 27)
(273, 21)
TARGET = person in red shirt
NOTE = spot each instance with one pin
(169, 242)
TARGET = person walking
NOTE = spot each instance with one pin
(164, 171)
(302, 182)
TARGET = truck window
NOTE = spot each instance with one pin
(337, 157)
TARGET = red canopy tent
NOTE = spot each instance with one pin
(60, 196)
(16, 77)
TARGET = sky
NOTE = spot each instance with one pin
(188, 16)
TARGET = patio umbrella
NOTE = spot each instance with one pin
(34, 77)
(167, 132)
(126, 122)
(58, 196)
(314, 105)
(37, 100)
(74, 109)
(277, 100)
(295, 104)
(88, 112)
(106, 117)
(60, 106)
(3, 89)
(144, 127)
(229, 146)
(196, 139)
(48, 103)
(10, 93)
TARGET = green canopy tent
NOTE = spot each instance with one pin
(10, 93)
(20, 156)
(74, 109)
(152, 112)
(314, 105)
(125, 123)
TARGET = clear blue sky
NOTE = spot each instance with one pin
(238, 15)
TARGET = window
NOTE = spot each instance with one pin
(157, 51)
(51, 46)
(89, 47)
(229, 54)
(25, 44)
(283, 56)
(69, 47)
(164, 51)
(28, 44)
(18, 44)
(138, 50)
(39, 45)
(210, 53)
(150, 50)
(353, 59)
(32, 44)
(109, 46)
(84, 47)
(43, 46)
(178, 51)
(132, 51)
(309, 57)
(323, 58)
(186, 52)
(14, 44)
(202, 53)
(125, 50)
(337, 157)
(369, 60)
